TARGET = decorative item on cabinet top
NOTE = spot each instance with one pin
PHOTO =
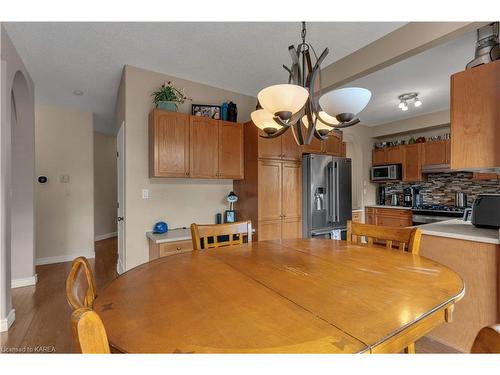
(168, 97)
(185, 146)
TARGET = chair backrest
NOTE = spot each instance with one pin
(210, 234)
(406, 238)
(487, 340)
(80, 284)
(88, 332)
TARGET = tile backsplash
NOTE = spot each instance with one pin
(441, 187)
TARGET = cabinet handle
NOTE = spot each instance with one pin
(178, 248)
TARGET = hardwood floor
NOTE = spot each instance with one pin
(42, 313)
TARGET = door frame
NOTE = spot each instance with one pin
(120, 187)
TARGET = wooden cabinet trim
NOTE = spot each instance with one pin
(235, 154)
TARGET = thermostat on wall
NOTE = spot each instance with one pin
(42, 179)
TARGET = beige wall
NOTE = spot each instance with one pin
(179, 202)
(104, 185)
(414, 125)
(65, 211)
(15, 81)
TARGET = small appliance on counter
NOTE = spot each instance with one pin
(460, 199)
(381, 195)
(386, 172)
(412, 197)
(486, 211)
(394, 200)
(160, 228)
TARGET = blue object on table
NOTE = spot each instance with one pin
(224, 108)
(160, 227)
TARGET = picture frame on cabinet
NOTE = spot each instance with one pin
(206, 110)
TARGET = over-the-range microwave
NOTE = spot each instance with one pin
(386, 172)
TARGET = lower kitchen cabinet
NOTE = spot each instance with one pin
(269, 230)
(291, 228)
(391, 217)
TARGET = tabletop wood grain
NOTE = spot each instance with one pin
(297, 296)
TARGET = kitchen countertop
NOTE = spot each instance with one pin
(171, 236)
(387, 206)
(462, 230)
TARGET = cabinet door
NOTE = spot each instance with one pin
(231, 150)
(344, 149)
(379, 156)
(204, 147)
(292, 228)
(434, 153)
(412, 166)
(370, 219)
(269, 148)
(289, 147)
(475, 117)
(292, 190)
(168, 144)
(447, 148)
(394, 155)
(269, 230)
(333, 145)
(269, 185)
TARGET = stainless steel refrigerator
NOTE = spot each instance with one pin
(326, 195)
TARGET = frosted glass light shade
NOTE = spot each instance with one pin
(280, 98)
(264, 120)
(347, 100)
(320, 125)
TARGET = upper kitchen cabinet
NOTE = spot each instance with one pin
(168, 144)
(412, 162)
(475, 117)
(204, 147)
(391, 155)
(333, 145)
(194, 147)
(282, 147)
(230, 150)
(434, 153)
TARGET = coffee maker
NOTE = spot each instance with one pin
(381, 195)
(412, 197)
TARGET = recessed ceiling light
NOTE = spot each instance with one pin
(78, 92)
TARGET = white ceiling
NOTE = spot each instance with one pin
(243, 57)
(427, 73)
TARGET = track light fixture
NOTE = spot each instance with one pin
(405, 98)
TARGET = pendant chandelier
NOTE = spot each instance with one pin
(300, 105)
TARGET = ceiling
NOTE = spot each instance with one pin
(427, 73)
(242, 57)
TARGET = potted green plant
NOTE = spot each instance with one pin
(168, 97)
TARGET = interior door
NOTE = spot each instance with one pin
(120, 169)
(230, 150)
(204, 147)
(270, 190)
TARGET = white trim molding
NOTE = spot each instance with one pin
(25, 281)
(64, 258)
(7, 322)
(105, 236)
(119, 266)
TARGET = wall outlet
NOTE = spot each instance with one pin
(145, 194)
(64, 178)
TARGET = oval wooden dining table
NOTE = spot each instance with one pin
(294, 296)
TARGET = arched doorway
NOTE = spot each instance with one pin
(22, 184)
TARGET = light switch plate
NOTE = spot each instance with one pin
(145, 194)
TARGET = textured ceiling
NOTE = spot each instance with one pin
(427, 73)
(243, 57)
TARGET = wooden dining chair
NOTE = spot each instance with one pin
(80, 284)
(233, 234)
(407, 239)
(88, 332)
(487, 340)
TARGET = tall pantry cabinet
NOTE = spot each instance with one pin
(271, 195)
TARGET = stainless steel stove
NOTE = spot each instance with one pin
(431, 213)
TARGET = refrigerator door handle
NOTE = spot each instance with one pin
(337, 193)
(329, 187)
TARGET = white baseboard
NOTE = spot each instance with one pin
(119, 267)
(63, 258)
(25, 281)
(7, 322)
(105, 236)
